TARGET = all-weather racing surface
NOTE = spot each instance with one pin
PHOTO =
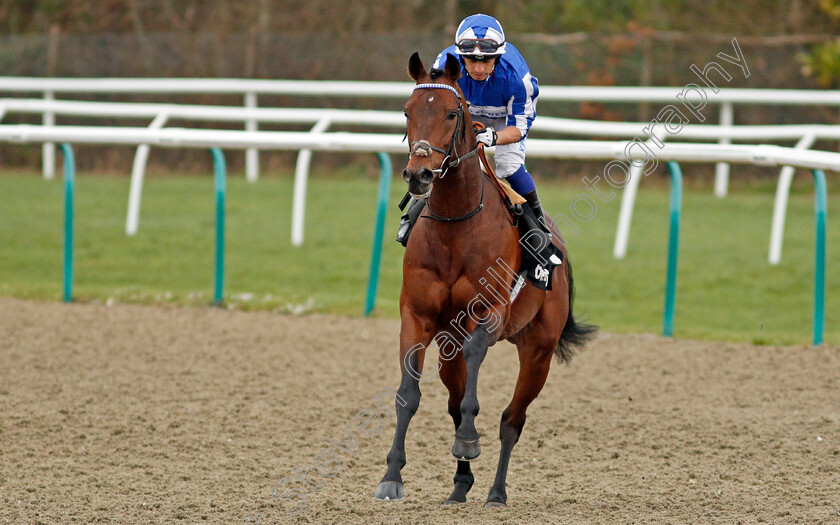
(152, 414)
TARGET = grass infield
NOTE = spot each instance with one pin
(726, 290)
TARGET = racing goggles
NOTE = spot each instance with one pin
(485, 46)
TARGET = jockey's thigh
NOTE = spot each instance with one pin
(509, 158)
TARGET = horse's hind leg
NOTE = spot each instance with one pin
(533, 370)
(453, 373)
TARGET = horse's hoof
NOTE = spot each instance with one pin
(453, 502)
(390, 491)
(494, 504)
(466, 449)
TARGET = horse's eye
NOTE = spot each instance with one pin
(452, 115)
(405, 113)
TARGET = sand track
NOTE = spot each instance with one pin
(137, 414)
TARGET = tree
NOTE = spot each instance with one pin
(823, 61)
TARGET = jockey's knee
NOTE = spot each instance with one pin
(521, 181)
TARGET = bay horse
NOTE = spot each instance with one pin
(463, 234)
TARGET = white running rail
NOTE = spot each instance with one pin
(251, 115)
(250, 89)
(371, 142)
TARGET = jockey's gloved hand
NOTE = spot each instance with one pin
(487, 136)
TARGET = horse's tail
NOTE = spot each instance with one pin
(574, 334)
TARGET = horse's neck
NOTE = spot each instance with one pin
(459, 192)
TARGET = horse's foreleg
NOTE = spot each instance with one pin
(466, 444)
(533, 370)
(414, 337)
(453, 373)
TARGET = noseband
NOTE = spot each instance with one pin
(423, 148)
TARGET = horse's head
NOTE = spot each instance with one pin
(436, 120)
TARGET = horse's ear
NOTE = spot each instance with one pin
(415, 67)
(453, 67)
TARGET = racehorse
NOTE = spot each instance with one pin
(448, 295)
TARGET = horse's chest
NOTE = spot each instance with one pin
(452, 270)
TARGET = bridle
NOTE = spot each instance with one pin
(451, 158)
(423, 148)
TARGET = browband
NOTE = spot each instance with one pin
(438, 86)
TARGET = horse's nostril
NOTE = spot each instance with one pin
(425, 175)
(421, 175)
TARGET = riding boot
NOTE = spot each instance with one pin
(407, 220)
(534, 202)
(540, 255)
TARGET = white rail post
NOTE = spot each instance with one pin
(628, 201)
(722, 168)
(625, 214)
(48, 149)
(777, 230)
(301, 176)
(252, 155)
(135, 190)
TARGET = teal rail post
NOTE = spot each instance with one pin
(379, 230)
(219, 185)
(673, 248)
(820, 212)
(69, 183)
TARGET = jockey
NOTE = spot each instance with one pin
(503, 96)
